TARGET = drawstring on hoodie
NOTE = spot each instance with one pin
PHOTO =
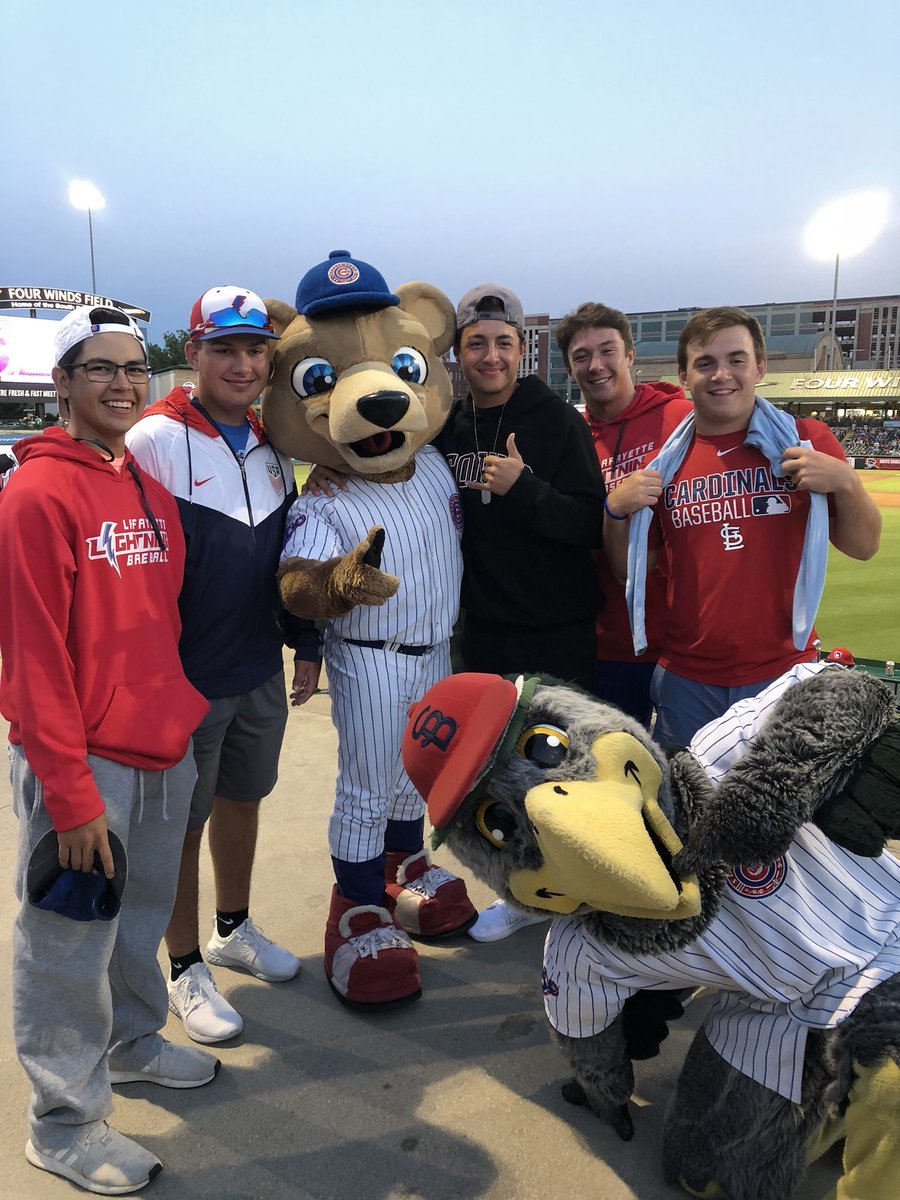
(165, 794)
(615, 457)
(133, 472)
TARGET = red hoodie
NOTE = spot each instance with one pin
(623, 445)
(89, 623)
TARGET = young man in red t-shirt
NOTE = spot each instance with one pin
(731, 530)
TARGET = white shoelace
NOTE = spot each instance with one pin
(198, 989)
(428, 884)
(382, 937)
(255, 936)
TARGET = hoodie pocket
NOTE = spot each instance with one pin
(149, 723)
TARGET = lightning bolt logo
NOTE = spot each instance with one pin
(107, 543)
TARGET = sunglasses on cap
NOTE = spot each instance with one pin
(232, 318)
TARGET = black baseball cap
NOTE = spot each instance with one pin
(79, 895)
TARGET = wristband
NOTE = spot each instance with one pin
(610, 513)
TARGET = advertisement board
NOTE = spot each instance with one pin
(26, 356)
(871, 462)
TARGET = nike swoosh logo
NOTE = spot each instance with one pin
(200, 482)
(719, 453)
(226, 920)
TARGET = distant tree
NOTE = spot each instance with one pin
(170, 353)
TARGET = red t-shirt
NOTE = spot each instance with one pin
(732, 539)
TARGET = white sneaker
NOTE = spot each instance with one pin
(102, 1160)
(173, 1067)
(499, 920)
(249, 949)
(206, 1015)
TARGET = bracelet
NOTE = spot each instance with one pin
(610, 512)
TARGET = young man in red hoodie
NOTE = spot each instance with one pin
(628, 425)
(101, 717)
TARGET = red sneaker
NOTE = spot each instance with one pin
(426, 900)
(370, 963)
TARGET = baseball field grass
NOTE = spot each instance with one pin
(860, 607)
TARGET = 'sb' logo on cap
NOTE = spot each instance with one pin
(432, 728)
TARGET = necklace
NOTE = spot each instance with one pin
(486, 496)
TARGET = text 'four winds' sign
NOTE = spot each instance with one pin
(65, 299)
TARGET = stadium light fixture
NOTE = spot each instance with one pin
(845, 226)
(85, 196)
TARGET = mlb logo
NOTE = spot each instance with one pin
(771, 506)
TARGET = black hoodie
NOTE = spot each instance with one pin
(527, 555)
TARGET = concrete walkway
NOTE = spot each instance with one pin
(453, 1098)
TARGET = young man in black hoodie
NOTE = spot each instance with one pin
(532, 494)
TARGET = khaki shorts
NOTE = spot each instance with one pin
(236, 748)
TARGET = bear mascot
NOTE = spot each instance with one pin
(358, 384)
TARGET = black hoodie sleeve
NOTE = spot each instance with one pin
(560, 494)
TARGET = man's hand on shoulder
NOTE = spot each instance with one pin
(856, 523)
(640, 489)
(813, 471)
(77, 847)
(324, 481)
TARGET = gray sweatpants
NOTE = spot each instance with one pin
(85, 989)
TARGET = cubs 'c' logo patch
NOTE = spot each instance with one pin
(456, 512)
(343, 272)
(754, 881)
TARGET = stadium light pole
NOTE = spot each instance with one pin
(84, 195)
(845, 226)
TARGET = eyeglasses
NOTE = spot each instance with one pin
(98, 370)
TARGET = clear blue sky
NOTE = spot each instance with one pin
(649, 155)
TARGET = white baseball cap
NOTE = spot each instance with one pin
(223, 311)
(83, 323)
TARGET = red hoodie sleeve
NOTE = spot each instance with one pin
(37, 692)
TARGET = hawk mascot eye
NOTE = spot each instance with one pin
(495, 822)
(544, 745)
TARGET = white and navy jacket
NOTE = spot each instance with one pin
(233, 509)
